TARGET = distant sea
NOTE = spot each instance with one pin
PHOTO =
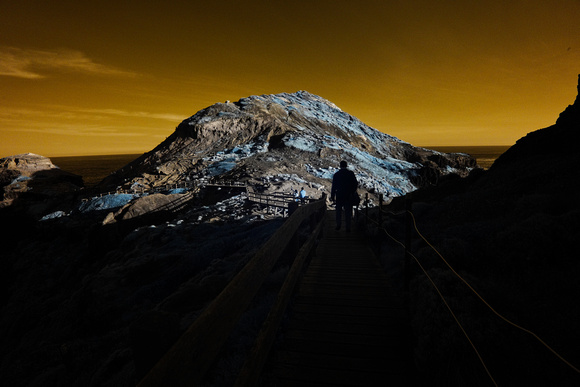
(93, 169)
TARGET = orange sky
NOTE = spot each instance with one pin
(79, 77)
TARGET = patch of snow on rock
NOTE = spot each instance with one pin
(106, 202)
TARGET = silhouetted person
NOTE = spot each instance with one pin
(344, 185)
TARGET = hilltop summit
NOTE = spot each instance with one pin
(287, 140)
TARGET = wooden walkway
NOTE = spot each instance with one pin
(346, 328)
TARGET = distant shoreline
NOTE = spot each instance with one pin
(466, 148)
(484, 154)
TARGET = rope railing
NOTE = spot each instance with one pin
(487, 304)
(503, 318)
(440, 295)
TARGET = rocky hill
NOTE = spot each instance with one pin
(284, 141)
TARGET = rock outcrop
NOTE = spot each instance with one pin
(149, 205)
(33, 176)
(298, 138)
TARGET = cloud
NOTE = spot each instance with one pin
(15, 127)
(33, 64)
(53, 113)
(175, 118)
(73, 121)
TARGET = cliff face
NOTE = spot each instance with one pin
(301, 136)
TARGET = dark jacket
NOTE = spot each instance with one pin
(344, 184)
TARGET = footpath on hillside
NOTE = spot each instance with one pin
(347, 327)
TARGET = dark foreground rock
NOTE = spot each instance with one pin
(83, 309)
(512, 233)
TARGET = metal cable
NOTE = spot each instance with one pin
(444, 301)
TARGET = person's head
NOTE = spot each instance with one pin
(343, 164)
